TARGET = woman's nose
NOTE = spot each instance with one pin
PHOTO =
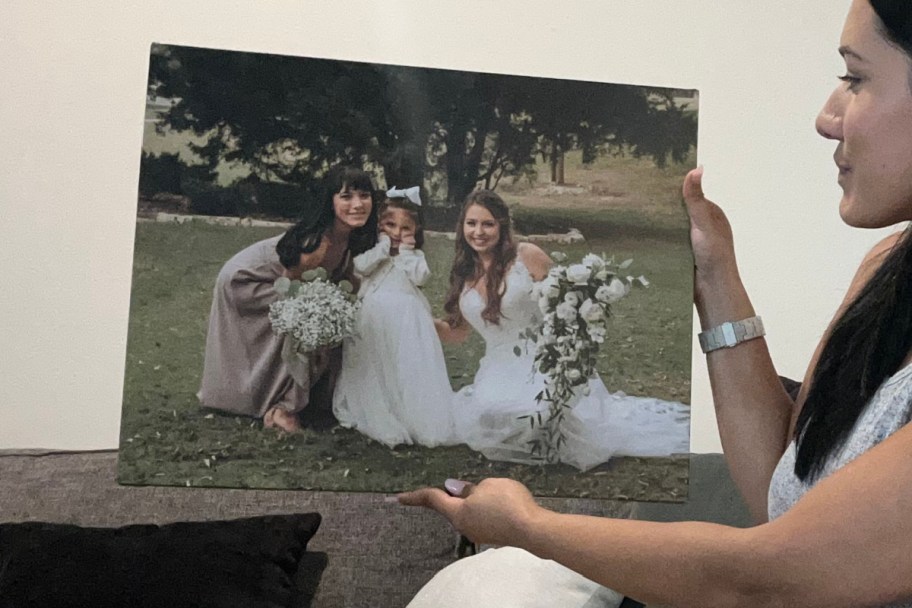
(829, 120)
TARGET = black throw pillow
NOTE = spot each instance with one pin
(257, 562)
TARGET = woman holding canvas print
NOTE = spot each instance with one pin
(829, 475)
(492, 286)
(394, 385)
(243, 372)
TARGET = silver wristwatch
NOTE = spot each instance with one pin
(731, 333)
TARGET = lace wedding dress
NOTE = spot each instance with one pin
(599, 426)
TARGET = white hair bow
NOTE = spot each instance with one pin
(409, 193)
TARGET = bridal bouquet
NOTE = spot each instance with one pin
(312, 313)
(575, 301)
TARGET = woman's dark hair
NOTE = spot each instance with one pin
(414, 212)
(306, 235)
(867, 344)
(467, 265)
(872, 337)
(895, 22)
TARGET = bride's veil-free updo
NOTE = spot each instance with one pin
(467, 265)
(306, 235)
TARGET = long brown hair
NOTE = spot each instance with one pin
(467, 264)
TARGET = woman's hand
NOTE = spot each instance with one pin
(711, 236)
(494, 512)
(451, 335)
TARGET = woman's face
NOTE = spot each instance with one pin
(480, 229)
(870, 115)
(352, 207)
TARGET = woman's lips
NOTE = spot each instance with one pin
(841, 165)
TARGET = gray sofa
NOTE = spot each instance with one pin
(379, 553)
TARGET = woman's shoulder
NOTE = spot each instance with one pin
(882, 248)
(533, 257)
(872, 261)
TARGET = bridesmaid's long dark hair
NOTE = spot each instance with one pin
(306, 235)
(872, 338)
(467, 265)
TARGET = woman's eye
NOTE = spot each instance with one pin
(852, 82)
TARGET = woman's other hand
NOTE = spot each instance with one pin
(494, 512)
(715, 268)
(449, 334)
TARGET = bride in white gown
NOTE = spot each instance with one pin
(491, 292)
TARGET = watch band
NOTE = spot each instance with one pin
(731, 333)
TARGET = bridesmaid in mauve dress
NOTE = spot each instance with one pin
(243, 370)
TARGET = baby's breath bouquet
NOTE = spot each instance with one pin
(575, 301)
(312, 314)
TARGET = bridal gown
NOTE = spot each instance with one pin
(599, 426)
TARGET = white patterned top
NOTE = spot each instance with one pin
(888, 410)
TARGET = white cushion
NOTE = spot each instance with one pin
(511, 578)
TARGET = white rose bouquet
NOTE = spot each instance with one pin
(575, 301)
(311, 314)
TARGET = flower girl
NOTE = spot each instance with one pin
(394, 386)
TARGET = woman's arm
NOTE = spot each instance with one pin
(754, 414)
(414, 264)
(537, 262)
(308, 261)
(847, 542)
(367, 262)
(753, 411)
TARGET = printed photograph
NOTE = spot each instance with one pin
(370, 278)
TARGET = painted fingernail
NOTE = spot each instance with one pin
(454, 486)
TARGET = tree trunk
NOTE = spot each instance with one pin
(552, 161)
(404, 174)
(560, 167)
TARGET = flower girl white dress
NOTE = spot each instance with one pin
(600, 425)
(394, 385)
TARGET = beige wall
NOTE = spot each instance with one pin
(72, 86)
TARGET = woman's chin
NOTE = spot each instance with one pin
(355, 223)
(855, 214)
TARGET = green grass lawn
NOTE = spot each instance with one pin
(168, 439)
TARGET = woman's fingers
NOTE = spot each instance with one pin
(702, 212)
(432, 498)
(457, 487)
(693, 186)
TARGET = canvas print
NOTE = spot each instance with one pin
(362, 277)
